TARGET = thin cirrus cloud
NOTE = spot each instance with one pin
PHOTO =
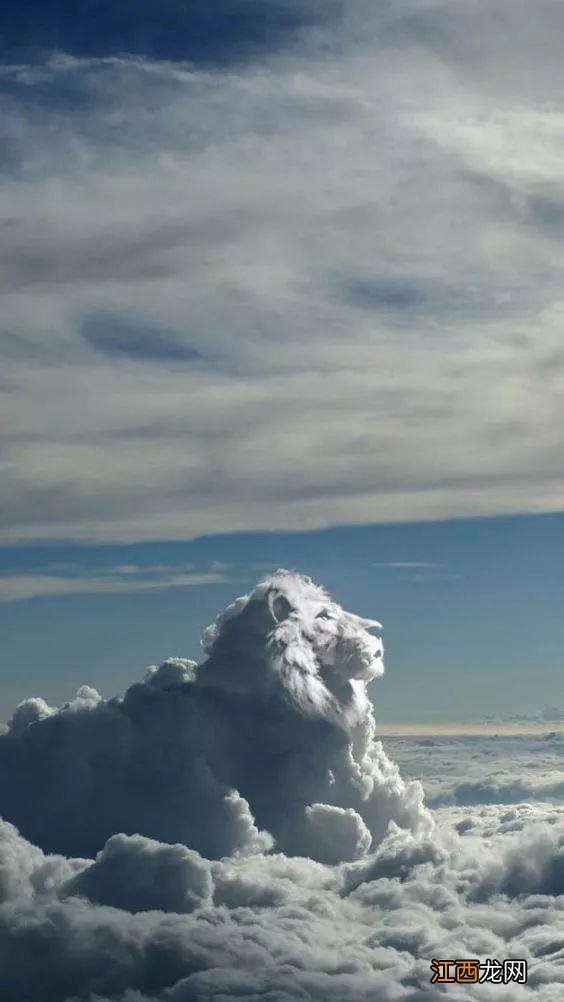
(122, 579)
(408, 564)
(419, 571)
(364, 249)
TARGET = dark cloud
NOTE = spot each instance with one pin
(401, 298)
(534, 866)
(134, 340)
(383, 294)
(137, 874)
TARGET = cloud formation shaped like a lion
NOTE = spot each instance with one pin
(269, 741)
(233, 832)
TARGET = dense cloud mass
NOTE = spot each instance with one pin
(190, 754)
(233, 831)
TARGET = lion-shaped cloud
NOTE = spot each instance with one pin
(269, 742)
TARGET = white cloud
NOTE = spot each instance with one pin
(285, 666)
(138, 914)
(408, 564)
(337, 283)
(118, 580)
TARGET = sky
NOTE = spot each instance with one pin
(471, 610)
(281, 286)
(281, 500)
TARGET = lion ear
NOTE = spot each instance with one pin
(281, 608)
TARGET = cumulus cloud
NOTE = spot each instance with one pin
(137, 874)
(491, 791)
(233, 830)
(534, 866)
(188, 755)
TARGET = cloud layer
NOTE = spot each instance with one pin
(320, 286)
(170, 887)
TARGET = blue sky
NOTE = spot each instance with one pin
(471, 610)
(220, 32)
(267, 269)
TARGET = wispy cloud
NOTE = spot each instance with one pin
(419, 571)
(406, 564)
(324, 291)
(59, 580)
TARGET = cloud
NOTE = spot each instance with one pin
(409, 564)
(552, 713)
(349, 897)
(534, 866)
(419, 571)
(266, 927)
(118, 580)
(497, 791)
(184, 756)
(134, 341)
(357, 236)
(373, 294)
(137, 874)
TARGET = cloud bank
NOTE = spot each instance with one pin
(234, 831)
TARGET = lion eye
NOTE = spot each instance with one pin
(281, 608)
(324, 614)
